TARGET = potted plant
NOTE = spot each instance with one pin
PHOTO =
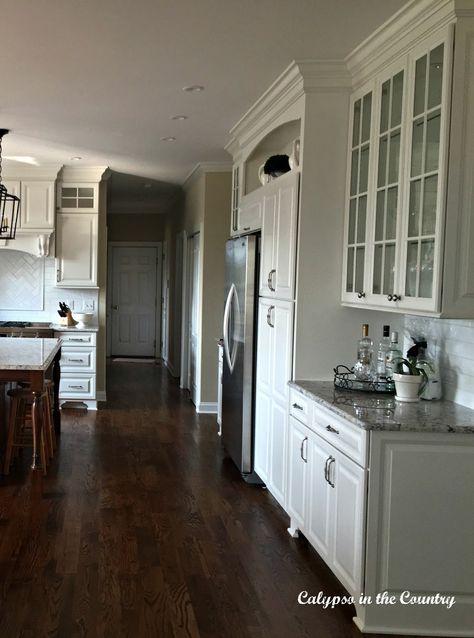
(409, 385)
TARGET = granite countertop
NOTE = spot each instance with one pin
(85, 328)
(372, 411)
(27, 354)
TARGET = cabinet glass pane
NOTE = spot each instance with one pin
(69, 192)
(432, 142)
(85, 203)
(417, 147)
(414, 212)
(435, 81)
(391, 218)
(361, 217)
(385, 106)
(394, 156)
(354, 171)
(389, 269)
(67, 202)
(426, 270)
(356, 124)
(420, 82)
(359, 266)
(383, 150)
(364, 169)
(350, 270)
(429, 205)
(377, 278)
(397, 94)
(379, 215)
(412, 269)
(86, 192)
(366, 115)
(352, 221)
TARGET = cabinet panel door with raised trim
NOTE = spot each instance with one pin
(77, 250)
(37, 205)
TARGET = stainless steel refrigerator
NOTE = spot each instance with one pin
(240, 323)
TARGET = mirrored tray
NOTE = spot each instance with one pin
(345, 379)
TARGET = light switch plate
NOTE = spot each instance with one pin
(88, 305)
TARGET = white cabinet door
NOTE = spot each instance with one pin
(265, 332)
(37, 205)
(347, 495)
(281, 318)
(297, 469)
(319, 525)
(278, 247)
(76, 246)
(248, 214)
(278, 451)
(263, 415)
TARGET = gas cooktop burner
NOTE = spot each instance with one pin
(15, 324)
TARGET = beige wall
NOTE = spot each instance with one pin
(136, 227)
(216, 230)
(102, 283)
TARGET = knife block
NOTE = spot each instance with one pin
(68, 320)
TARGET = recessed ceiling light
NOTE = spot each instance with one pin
(76, 159)
(179, 117)
(194, 88)
(168, 139)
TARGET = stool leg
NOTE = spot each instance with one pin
(48, 425)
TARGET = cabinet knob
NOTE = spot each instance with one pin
(396, 297)
(390, 297)
(360, 295)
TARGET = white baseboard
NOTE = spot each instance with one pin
(101, 395)
(206, 408)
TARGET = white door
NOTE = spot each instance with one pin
(165, 281)
(319, 524)
(281, 320)
(134, 297)
(194, 329)
(297, 469)
(278, 451)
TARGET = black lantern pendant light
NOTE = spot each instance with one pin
(9, 204)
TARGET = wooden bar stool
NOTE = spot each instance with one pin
(20, 432)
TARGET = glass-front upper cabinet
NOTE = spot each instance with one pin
(394, 216)
(356, 220)
(425, 180)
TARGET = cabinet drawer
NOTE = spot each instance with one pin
(348, 438)
(77, 338)
(300, 406)
(73, 386)
(78, 359)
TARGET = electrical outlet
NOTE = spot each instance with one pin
(88, 305)
(70, 303)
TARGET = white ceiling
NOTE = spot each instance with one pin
(101, 79)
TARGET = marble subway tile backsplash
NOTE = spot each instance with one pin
(451, 345)
(28, 291)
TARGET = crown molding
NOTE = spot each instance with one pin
(30, 172)
(206, 167)
(416, 20)
(284, 99)
(85, 173)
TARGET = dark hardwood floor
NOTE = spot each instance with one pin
(145, 529)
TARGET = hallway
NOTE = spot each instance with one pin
(145, 529)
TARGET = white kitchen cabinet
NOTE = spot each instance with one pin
(326, 501)
(78, 197)
(247, 215)
(76, 250)
(274, 349)
(278, 246)
(37, 205)
(78, 367)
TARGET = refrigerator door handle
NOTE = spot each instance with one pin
(228, 304)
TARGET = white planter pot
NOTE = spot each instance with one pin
(407, 387)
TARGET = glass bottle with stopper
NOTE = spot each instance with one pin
(365, 348)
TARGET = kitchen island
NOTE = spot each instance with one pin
(33, 361)
(384, 493)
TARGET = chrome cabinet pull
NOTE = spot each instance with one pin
(396, 297)
(301, 449)
(76, 387)
(331, 461)
(360, 295)
(326, 469)
(329, 428)
(75, 360)
(269, 313)
(298, 407)
(270, 280)
(390, 297)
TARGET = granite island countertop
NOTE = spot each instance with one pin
(27, 354)
(372, 411)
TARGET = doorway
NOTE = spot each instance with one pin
(191, 334)
(135, 300)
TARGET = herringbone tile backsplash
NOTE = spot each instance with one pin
(21, 281)
(28, 289)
